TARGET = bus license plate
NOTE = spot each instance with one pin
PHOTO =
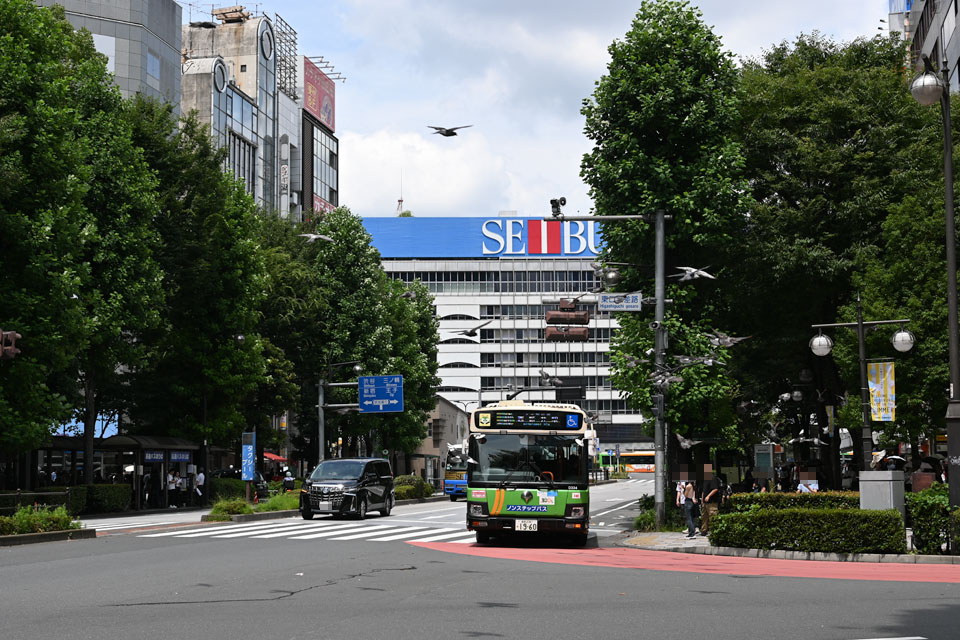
(526, 525)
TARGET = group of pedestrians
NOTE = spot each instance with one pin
(701, 503)
(178, 488)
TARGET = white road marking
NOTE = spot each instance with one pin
(408, 532)
(456, 534)
(211, 527)
(371, 531)
(624, 506)
(331, 531)
(260, 528)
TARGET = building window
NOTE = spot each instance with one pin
(153, 65)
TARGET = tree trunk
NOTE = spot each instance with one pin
(89, 427)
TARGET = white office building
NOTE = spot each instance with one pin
(493, 280)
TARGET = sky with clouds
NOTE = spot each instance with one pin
(517, 70)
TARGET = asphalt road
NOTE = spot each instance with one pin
(128, 585)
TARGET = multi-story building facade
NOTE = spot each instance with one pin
(931, 29)
(493, 280)
(141, 39)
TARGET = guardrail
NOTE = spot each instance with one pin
(10, 502)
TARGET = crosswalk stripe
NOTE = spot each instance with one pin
(177, 532)
(371, 531)
(128, 525)
(297, 528)
(407, 532)
(247, 528)
(432, 538)
(330, 531)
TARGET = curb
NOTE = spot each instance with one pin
(778, 554)
(47, 536)
(438, 498)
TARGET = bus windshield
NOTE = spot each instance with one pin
(456, 461)
(520, 458)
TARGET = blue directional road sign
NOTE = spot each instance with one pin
(380, 394)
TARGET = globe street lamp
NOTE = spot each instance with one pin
(821, 345)
(927, 89)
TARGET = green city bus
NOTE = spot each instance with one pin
(527, 470)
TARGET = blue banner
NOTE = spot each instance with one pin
(179, 456)
(153, 456)
(482, 238)
(248, 455)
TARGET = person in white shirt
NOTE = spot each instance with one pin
(201, 486)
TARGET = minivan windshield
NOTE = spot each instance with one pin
(337, 470)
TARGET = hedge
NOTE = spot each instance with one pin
(824, 530)
(928, 514)
(411, 486)
(78, 499)
(36, 520)
(107, 498)
(955, 528)
(231, 506)
(744, 502)
(226, 489)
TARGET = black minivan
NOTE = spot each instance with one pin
(348, 486)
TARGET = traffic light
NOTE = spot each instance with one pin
(657, 404)
(566, 333)
(8, 344)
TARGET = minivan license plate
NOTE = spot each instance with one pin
(323, 506)
(526, 525)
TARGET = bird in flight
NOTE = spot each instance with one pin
(692, 273)
(408, 294)
(719, 339)
(445, 132)
(473, 331)
(311, 237)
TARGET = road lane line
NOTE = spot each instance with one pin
(624, 506)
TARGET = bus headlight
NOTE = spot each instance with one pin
(476, 509)
(576, 512)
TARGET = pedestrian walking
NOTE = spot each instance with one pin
(690, 508)
(711, 498)
(171, 490)
(201, 486)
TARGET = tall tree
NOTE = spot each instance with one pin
(44, 179)
(207, 358)
(662, 122)
(834, 143)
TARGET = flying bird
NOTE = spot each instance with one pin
(686, 443)
(473, 331)
(719, 339)
(408, 294)
(445, 132)
(311, 237)
(692, 273)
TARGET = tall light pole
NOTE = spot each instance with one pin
(821, 345)
(660, 345)
(927, 88)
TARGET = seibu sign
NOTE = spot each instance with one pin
(538, 237)
(483, 237)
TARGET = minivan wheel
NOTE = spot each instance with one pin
(361, 508)
(306, 514)
(387, 506)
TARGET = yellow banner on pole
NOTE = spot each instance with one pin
(883, 396)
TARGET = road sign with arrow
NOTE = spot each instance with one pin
(380, 394)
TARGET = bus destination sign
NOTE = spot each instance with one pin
(528, 420)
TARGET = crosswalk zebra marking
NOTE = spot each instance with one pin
(178, 532)
(297, 528)
(407, 532)
(331, 531)
(248, 529)
(286, 529)
(371, 531)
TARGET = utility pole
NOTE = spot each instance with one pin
(659, 346)
(321, 436)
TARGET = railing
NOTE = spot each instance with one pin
(10, 502)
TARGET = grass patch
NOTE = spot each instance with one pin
(230, 507)
(37, 520)
(280, 502)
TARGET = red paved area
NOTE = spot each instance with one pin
(723, 565)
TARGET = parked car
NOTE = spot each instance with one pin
(259, 482)
(353, 486)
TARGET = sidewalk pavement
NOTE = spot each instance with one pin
(678, 542)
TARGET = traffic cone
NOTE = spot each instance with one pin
(256, 497)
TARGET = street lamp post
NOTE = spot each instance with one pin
(928, 89)
(821, 345)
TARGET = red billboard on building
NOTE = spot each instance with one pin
(319, 94)
(319, 204)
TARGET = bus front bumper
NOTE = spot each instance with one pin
(543, 525)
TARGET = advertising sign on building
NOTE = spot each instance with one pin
(319, 204)
(482, 237)
(319, 93)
